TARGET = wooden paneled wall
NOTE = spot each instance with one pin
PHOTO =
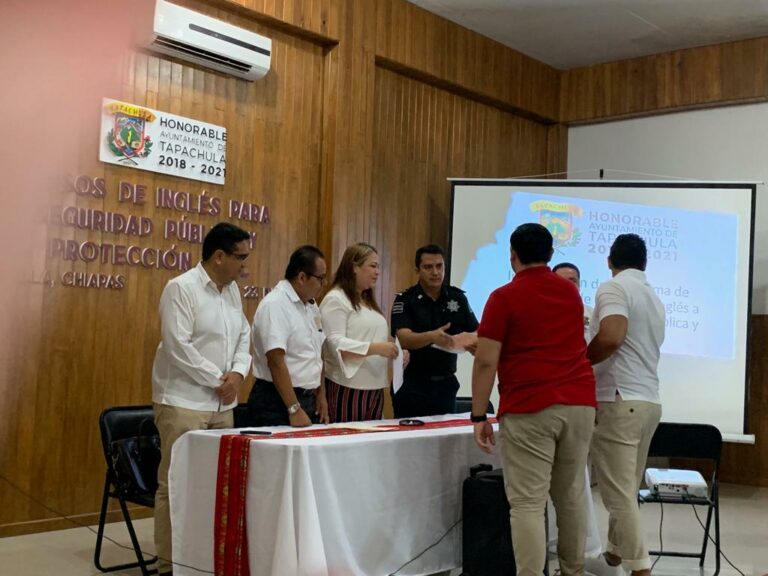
(416, 40)
(422, 136)
(745, 463)
(720, 75)
(723, 74)
(369, 106)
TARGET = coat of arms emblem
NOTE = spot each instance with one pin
(127, 139)
(557, 217)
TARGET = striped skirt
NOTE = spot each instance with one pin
(353, 405)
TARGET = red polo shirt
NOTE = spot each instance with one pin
(539, 319)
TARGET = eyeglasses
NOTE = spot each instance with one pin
(320, 277)
(241, 257)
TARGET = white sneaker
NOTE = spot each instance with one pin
(599, 567)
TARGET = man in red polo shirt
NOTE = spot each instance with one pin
(532, 333)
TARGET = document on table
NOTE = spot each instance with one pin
(363, 427)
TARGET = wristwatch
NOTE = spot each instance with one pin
(293, 408)
(476, 419)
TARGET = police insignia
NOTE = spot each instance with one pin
(397, 308)
(453, 306)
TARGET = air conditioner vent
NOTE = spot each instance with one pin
(202, 54)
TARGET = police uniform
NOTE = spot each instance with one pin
(430, 384)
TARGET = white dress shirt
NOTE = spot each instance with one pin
(204, 334)
(283, 321)
(588, 312)
(350, 330)
(632, 369)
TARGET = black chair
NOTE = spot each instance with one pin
(464, 404)
(700, 442)
(117, 424)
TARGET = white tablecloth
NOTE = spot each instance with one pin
(363, 504)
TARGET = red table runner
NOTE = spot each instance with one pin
(230, 554)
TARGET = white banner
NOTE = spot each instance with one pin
(147, 139)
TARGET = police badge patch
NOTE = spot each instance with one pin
(453, 306)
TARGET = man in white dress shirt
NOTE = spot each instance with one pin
(288, 341)
(202, 359)
(628, 323)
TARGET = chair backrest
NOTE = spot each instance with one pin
(697, 441)
(123, 422)
(464, 404)
(132, 462)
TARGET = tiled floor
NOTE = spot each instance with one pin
(744, 529)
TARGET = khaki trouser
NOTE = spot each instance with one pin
(546, 452)
(172, 422)
(619, 451)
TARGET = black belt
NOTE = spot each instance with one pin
(430, 377)
(296, 389)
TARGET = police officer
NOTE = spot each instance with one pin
(426, 317)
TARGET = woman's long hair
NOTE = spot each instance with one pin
(344, 278)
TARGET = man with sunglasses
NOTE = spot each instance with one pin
(287, 341)
(202, 358)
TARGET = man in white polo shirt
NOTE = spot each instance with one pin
(288, 340)
(629, 324)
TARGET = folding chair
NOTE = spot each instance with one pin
(464, 404)
(116, 424)
(701, 442)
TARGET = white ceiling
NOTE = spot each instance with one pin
(572, 33)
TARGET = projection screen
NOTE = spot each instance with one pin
(700, 241)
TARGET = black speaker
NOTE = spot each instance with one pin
(487, 537)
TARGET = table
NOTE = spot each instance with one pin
(364, 504)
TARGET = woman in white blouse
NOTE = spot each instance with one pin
(357, 349)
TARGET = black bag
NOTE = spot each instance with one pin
(487, 537)
(136, 459)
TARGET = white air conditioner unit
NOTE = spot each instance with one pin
(198, 38)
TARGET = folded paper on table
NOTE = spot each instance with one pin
(397, 368)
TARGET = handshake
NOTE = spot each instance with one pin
(453, 343)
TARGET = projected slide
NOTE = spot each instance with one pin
(699, 237)
(692, 261)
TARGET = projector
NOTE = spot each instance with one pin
(682, 483)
